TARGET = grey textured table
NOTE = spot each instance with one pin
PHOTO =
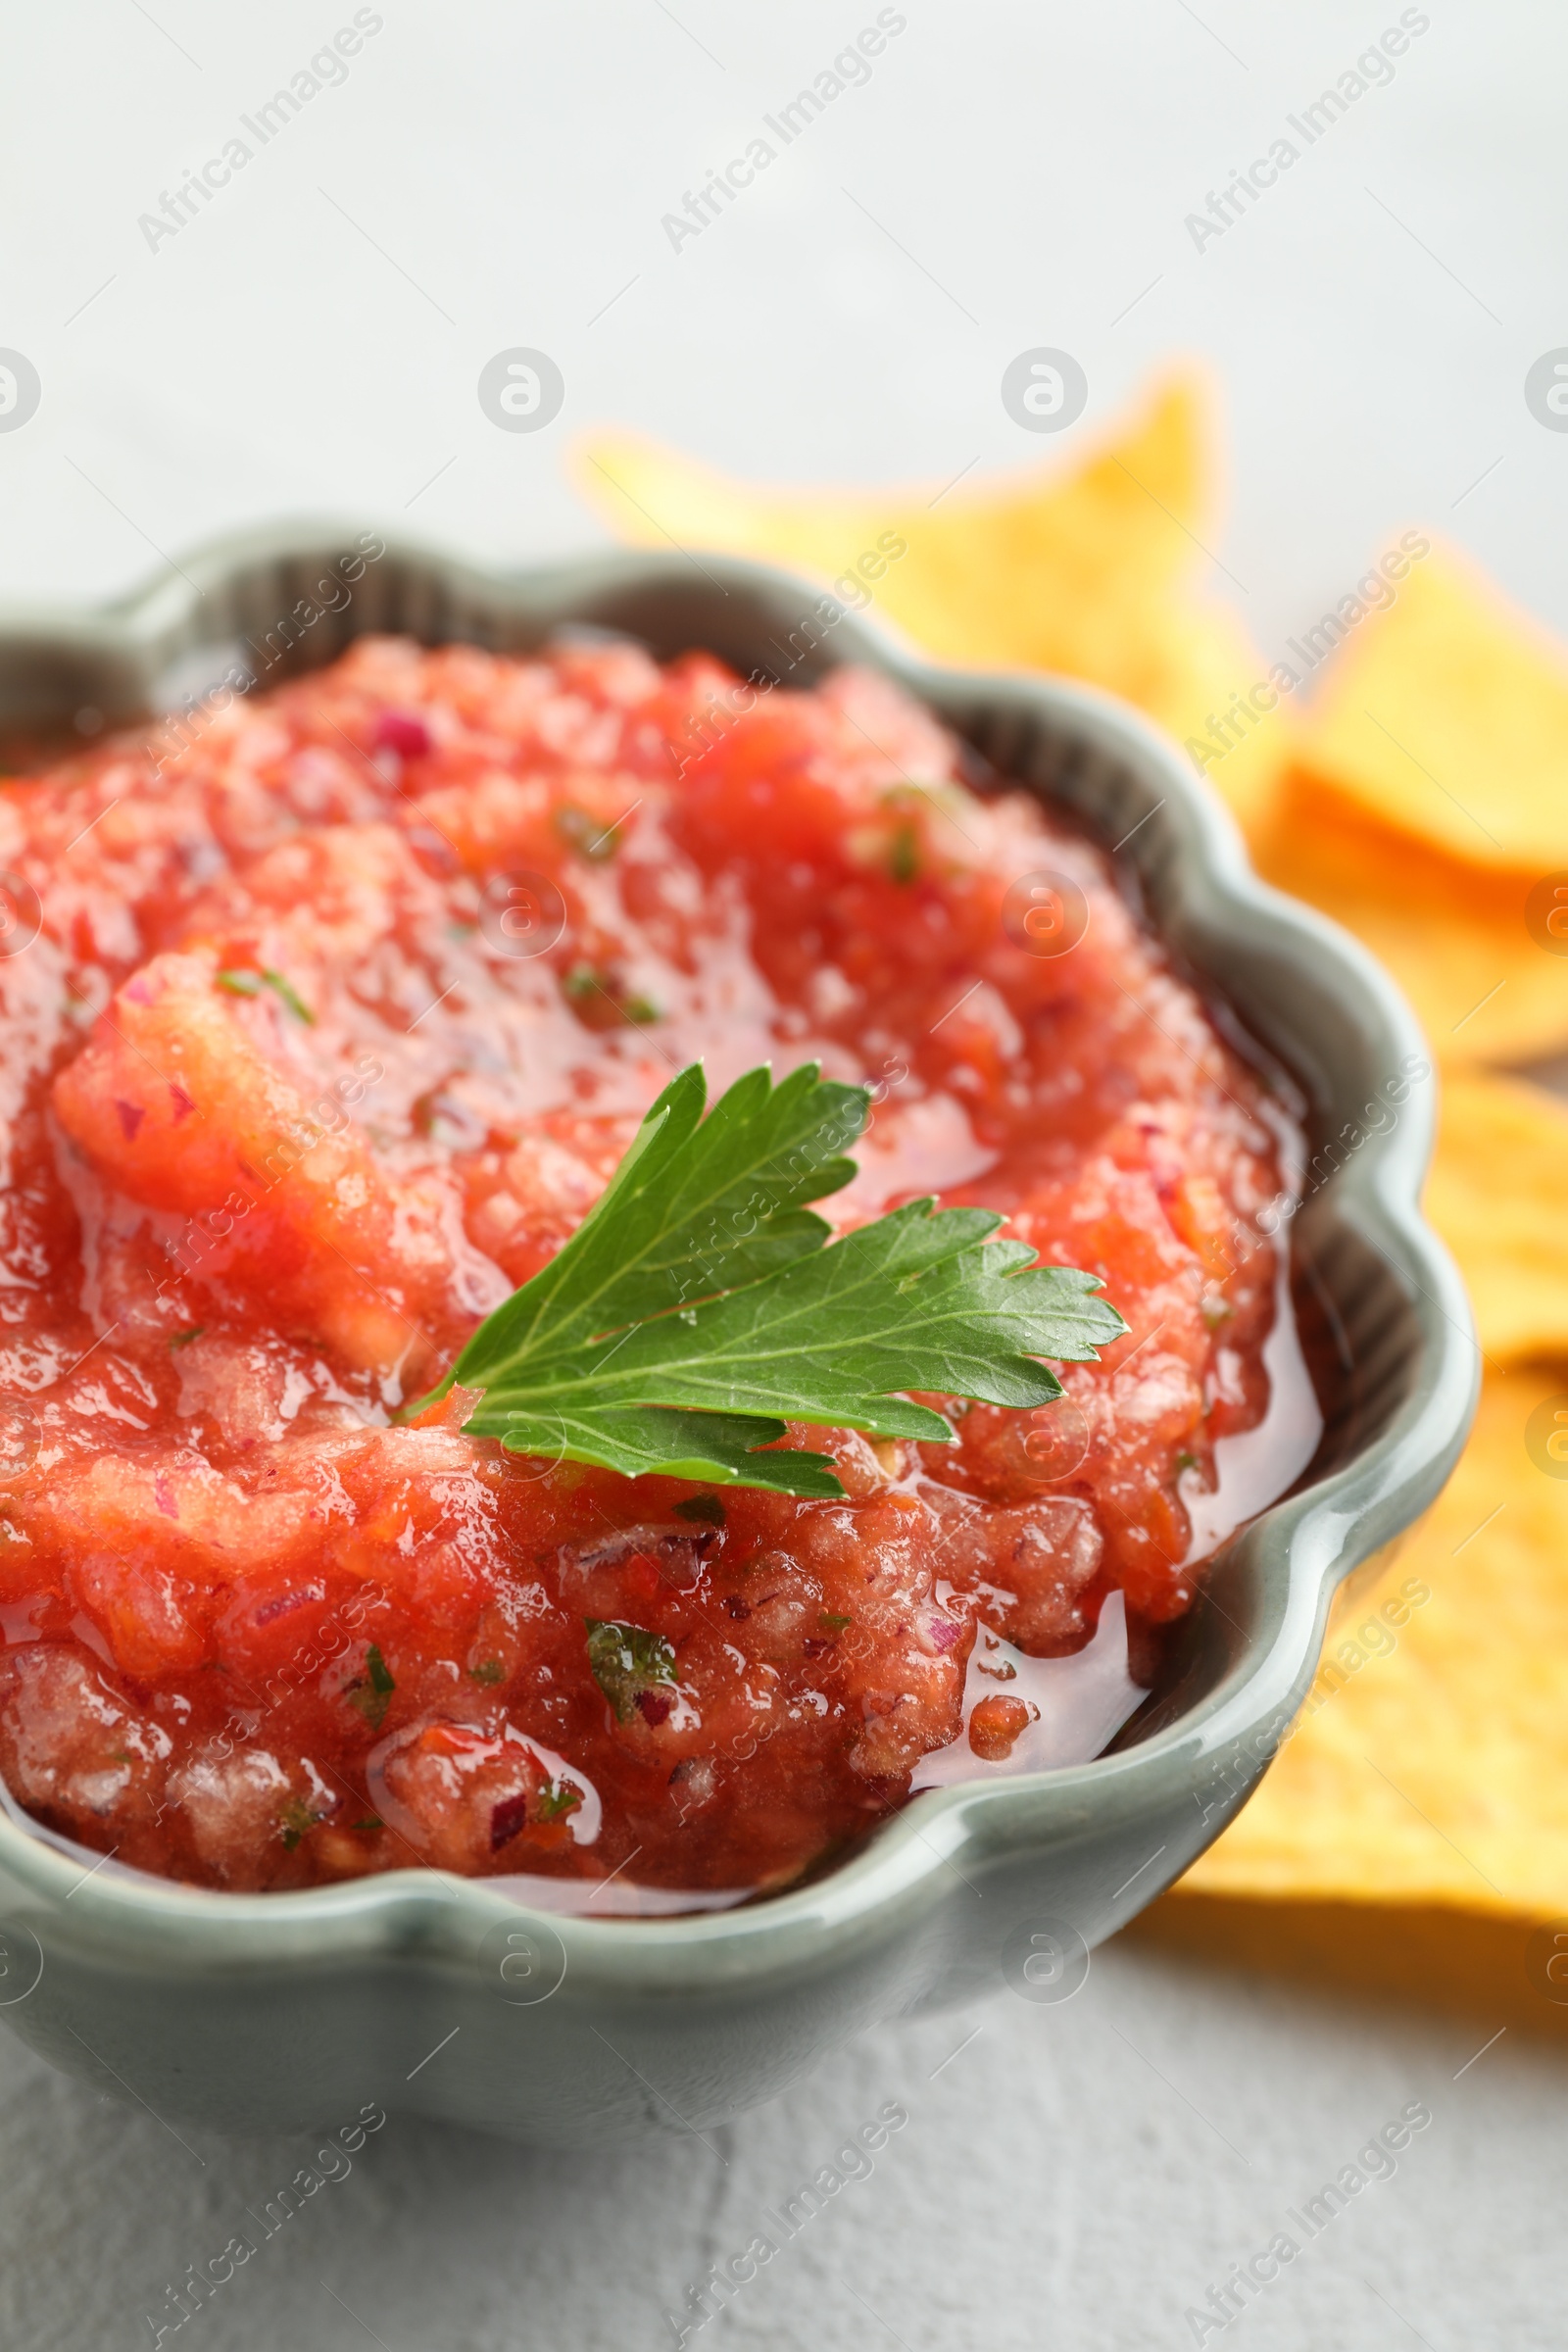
(311, 338)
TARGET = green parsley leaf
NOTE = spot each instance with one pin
(697, 1307)
(626, 1660)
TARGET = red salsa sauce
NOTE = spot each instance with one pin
(343, 1003)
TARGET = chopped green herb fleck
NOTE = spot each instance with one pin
(555, 1799)
(488, 1670)
(1186, 1461)
(240, 983)
(370, 1692)
(290, 995)
(627, 1660)
(595, 997)
(585, 832)
(295, 1820)
(904, 858)
(835, 1625)
(369, 1821)
(183, 1339)
(705, 1509)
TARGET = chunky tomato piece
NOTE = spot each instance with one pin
(341, 1015)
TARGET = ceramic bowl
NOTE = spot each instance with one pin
(415, 1990)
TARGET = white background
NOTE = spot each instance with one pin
(1013, 175)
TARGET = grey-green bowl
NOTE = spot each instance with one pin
(275, 2012)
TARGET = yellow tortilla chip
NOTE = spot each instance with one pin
(1498, 1196)
(1081, 569)
(1431, 1762)
(1447, 717)
(1212, 665)
(1456, 940)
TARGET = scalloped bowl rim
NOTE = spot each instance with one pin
(1317, 1531)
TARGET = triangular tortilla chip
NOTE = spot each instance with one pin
(1080, 569)
(1498, 1196)
(1431, 1762)
(1454, 938)
(1210, 664)
(1447, 717)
